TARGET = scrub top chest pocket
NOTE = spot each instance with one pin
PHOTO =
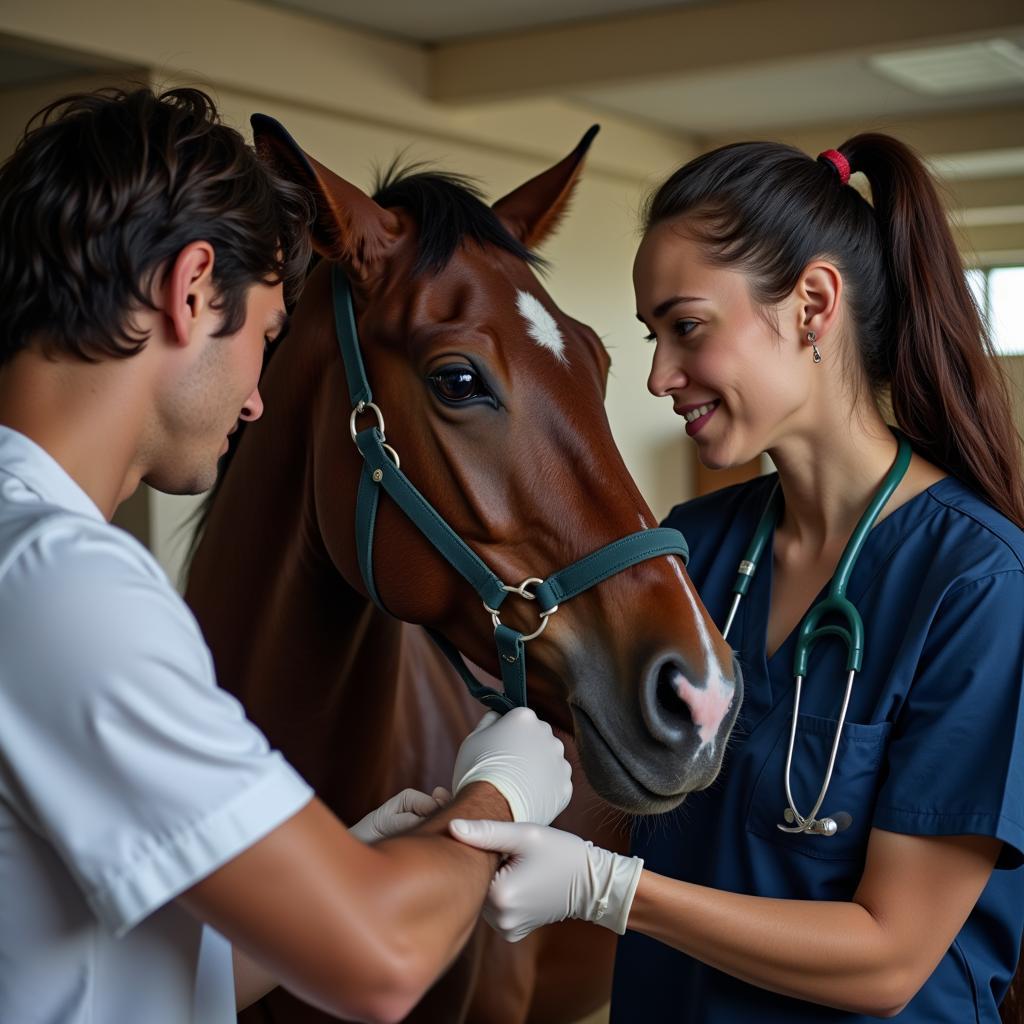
(853, 790)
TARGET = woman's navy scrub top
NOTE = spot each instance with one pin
(933, 745)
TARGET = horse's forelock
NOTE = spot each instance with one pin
(447, 208)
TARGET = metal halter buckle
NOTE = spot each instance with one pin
(375, 409)
(522, 591)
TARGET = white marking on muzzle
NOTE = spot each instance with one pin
(709, 704)
(540, 325)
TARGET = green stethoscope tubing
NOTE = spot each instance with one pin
(835, 603)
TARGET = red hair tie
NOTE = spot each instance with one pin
(839, 162)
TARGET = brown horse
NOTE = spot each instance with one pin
(494, 400)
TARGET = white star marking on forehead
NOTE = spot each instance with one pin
(540, 325)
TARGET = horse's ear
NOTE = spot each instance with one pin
(533, 210)
(348, 227)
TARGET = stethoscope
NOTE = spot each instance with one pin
(852, 634)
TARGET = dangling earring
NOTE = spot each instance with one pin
(812, 337)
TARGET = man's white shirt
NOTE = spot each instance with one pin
(126, 773)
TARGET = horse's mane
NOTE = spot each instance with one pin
(448, 209)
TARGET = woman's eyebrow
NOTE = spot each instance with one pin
(663, 307)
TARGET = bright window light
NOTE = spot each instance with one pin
(1006, 310)
(976, 282)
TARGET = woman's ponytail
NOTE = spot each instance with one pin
(948, 394)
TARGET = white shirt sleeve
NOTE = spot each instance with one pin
(116, 744)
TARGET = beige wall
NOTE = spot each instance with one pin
(1014, 367)
(355, 100)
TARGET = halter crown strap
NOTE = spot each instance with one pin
(348, 338)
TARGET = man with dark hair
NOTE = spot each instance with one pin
(145, 826)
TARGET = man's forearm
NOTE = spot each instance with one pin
(477, 800)
(435, 890)
(252, 981)
(433, 915)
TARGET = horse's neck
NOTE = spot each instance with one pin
(289, 636)
(360, 703)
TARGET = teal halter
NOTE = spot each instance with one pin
(381, 469)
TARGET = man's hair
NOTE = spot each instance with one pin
(102, 193)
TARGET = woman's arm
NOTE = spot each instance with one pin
(870, 955)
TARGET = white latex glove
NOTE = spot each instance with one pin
(549, 876)
(400, 813)
(519, 755)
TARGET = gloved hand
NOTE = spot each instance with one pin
(519, 755)
(550, 875)
(400, 813)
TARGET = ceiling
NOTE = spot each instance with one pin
(714, 71)
(18, 67)
(438, 21)
(792, 94)
(769, 88)
(754, 97)
(705, 72)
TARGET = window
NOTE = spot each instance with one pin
(999, 293)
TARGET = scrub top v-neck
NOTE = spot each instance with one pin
(932, 746)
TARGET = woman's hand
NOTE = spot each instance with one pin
(522, 759)
(399, 814)
(550, 875)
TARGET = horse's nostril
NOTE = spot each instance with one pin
(667, 695)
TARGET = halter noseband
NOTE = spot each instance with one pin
(381, 469)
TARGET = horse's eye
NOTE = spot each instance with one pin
(457, 384)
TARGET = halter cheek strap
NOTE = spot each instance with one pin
(382, 472)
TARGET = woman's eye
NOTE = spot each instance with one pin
(681, 327)
(457, 384)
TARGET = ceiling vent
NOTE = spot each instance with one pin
(947, 70)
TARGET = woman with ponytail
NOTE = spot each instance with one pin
(791, 315)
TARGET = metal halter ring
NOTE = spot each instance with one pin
(361, 408)
(523, 592)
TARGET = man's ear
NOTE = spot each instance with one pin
(532, 212)
(349, 227)
(188, 289)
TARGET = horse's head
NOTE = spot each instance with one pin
(494, 399)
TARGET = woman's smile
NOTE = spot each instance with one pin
(697, 416)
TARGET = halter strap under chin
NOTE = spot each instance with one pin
(381, 471)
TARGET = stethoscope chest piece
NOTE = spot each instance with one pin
(830, 826)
